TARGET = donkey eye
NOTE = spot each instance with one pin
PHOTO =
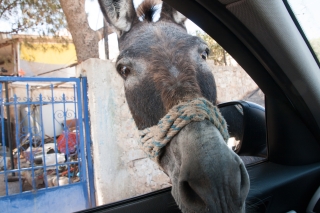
(204, 54)
(124, 71)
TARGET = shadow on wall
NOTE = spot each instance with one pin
(233, 83)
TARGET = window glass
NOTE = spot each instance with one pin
(233, 83)
(308, 16)
(50, 155)
(140, 174)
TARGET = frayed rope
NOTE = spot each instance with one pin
(154, 138)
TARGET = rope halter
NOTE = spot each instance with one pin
(154, 138)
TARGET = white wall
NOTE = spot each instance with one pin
(121, 169)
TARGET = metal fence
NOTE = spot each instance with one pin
(43, 139)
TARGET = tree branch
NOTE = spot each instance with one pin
(100, 32)
(9, 7)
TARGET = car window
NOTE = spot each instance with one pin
(133, 173)
(233, 83)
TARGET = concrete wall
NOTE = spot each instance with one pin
(121, 169)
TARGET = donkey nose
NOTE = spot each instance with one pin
(239, 185)
(206, 175)
(203, 194)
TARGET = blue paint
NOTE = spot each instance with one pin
(3, 141)
(88, 142)
(42, 143)
(63, 199)
(83, 170)
(67, 198)
(18, 143)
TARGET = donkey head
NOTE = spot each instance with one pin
(162, 65)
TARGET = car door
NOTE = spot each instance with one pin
(264, 39)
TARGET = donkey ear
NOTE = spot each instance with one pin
(168, 12)
(118, 13)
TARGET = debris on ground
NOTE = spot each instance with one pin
(42, 163)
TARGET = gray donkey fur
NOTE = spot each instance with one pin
(161, 66)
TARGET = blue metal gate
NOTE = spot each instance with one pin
(45, 145)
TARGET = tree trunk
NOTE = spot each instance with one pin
(84, 38)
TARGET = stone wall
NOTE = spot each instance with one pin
(233, 83)
(121, 169)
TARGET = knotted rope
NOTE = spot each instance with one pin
(154, 138)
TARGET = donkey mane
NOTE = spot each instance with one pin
(147, 10)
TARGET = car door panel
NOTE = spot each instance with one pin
(155, 202)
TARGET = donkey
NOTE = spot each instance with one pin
(163, 66)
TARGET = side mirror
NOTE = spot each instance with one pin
(247, 127)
